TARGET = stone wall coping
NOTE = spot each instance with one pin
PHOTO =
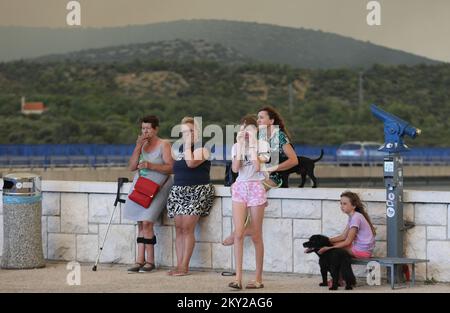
(377, 195)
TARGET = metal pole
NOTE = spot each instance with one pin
(393, 179)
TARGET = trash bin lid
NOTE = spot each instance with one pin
(22, 184)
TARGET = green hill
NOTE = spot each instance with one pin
(102, 102)
(172, 50)
(297, 47)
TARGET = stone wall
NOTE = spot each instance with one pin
(76, 215)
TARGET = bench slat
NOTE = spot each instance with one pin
(390, 260)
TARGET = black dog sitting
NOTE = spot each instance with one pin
(304, 168)
(336, 261)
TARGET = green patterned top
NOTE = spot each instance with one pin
(276, 142)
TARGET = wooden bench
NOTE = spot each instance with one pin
(391, 263)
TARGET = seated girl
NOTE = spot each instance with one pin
(358, 237)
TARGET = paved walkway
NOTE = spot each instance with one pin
(53, 278)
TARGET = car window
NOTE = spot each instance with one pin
(372, 147)
(350, 146)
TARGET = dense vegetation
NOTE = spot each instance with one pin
(101, 103)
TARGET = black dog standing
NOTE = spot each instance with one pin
(304, 168)
(336, 261)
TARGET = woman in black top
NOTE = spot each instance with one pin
(191, 195)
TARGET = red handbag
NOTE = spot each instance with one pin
(144, 192)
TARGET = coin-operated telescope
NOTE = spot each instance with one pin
(394, 131)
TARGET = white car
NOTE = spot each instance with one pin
(360, 152)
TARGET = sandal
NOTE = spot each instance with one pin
(180, 273)
(235, 285)
(136, 268)
(254, 285)
(147, 269)
(170, 273)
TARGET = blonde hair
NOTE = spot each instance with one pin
(192, 121)
(188, 120)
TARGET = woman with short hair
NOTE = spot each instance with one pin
(152, 160)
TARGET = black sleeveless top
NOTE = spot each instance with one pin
(186, 176)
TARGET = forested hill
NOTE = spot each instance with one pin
(101, 103)
(171, 50)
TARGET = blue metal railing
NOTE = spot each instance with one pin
(52, 155)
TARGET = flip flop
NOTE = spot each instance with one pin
(235, 285)
(170, 273)
(254, 285)
(180, 273)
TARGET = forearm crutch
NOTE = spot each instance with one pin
(120, 182)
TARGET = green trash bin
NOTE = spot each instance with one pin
(22, 229)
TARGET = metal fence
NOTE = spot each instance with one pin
(96, 155)
(66, 155)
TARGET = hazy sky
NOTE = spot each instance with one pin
(418, 26)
